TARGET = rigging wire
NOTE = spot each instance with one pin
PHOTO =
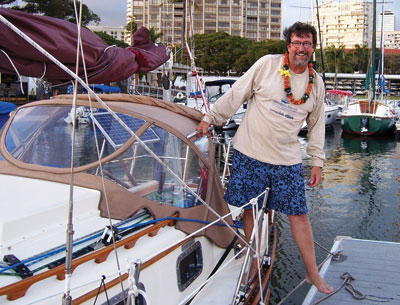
(91, 92)
(114, 115)
(67, 298)
(97, 147)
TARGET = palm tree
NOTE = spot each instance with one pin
(361, 58)
(336, 60)
(153, 35)
(131, 28)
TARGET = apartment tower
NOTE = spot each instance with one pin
(177, 20)
(345, 23)
(388, 18)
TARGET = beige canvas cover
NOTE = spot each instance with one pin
(177, 119)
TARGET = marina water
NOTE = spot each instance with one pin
(358, 197)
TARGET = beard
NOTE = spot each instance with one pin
(299, 62)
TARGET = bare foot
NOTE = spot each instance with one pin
(319, 283)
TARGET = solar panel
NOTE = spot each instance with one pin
(116, 134)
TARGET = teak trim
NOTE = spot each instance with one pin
(91, 294)
(19, 289)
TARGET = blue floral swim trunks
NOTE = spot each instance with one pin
(250, 177)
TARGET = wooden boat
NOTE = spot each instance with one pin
(149, 222)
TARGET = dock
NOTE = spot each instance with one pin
(365, 272)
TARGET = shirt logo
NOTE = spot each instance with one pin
(283, 108)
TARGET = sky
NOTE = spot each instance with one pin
(113, 13)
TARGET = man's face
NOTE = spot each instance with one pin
(300, 49)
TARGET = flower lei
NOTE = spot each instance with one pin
(286, 78)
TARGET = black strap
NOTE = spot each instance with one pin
(221, 260)
(223, 257)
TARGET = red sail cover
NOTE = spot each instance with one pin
(104, 64)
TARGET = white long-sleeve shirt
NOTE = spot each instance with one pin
(270, 127)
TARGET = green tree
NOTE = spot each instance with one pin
(258, 49)
(131, 28)
(61, 9)
(217, 52)
(108, 39)
(392, 64)
(360, 58)
(336, 61)
(153, 35)
(3, 2)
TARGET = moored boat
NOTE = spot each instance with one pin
(149, 220)
(128, 208)
(339, 98)
(331, 115)
(371, 116)
(368, 118)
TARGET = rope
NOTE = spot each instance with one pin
(46, 255)
(15, 69)
(197, 232)
(356, 294)
(326, 250)
(115, 116)
(102, 284)
(301, 283)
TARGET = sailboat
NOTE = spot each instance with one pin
(126, 210)
(370, 117)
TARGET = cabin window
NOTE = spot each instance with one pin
(189, 265)
(42, 135)
(144, 175)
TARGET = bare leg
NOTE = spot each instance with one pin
(248, 223)
(302, 234)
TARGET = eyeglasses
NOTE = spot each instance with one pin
(305, 44)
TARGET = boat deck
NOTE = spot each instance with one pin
(375, 267)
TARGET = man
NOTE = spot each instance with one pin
(283, 91)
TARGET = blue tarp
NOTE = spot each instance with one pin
(97, 89)
(6, 107)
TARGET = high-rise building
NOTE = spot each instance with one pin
(345, 23)
(177, 20)
(117, 32)
(388, 21)
(391, 39)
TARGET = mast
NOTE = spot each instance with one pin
(320, 44)
(381, 78)
(373, 53)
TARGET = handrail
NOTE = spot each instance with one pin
(19, 289)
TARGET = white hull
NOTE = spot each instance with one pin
(161, 245)
(331, 115)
